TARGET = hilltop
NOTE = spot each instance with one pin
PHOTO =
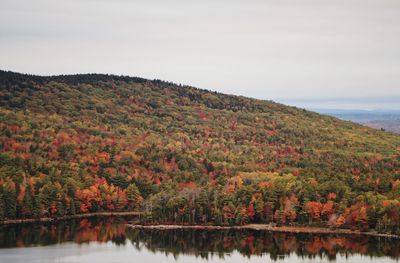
(85, 143)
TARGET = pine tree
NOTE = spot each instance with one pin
(133, 195)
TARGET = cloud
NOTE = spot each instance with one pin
(265, 49)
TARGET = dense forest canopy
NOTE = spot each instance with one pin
(86, 143)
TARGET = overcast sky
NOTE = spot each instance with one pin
(287, 50)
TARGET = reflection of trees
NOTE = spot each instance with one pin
(79, 231)
(204, 243)
(101, 232)
(201, 243)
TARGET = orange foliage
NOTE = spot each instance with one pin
(190, 185)
(103, 157)
(331, 196)
(327, 208)
(314, 209)
(21, 195)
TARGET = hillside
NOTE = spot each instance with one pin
(87, 143)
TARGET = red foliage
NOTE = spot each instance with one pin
(250, 211)
(103, 157)
(227, 212)
(327, 208)
(296, 172)
(314, 209)
(331, 196)
(190, 185)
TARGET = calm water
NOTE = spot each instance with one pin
(109, 240)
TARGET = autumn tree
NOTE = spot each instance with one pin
(133, 196)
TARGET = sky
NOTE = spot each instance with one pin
(324, 53)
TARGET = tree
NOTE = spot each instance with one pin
(327, 208)
(133, 195)
(10, 199)
(2, 204)
(314, 209)
(250, 211)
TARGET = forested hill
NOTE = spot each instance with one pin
(86, 143)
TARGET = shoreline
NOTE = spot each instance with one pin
(268, 228)
(257, 227)
(55, 219)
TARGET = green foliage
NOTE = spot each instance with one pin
(133, 196)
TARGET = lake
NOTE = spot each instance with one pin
(110, 240)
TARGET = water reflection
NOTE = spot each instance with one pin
(247, 242)
(78, 231)
(204, 244)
